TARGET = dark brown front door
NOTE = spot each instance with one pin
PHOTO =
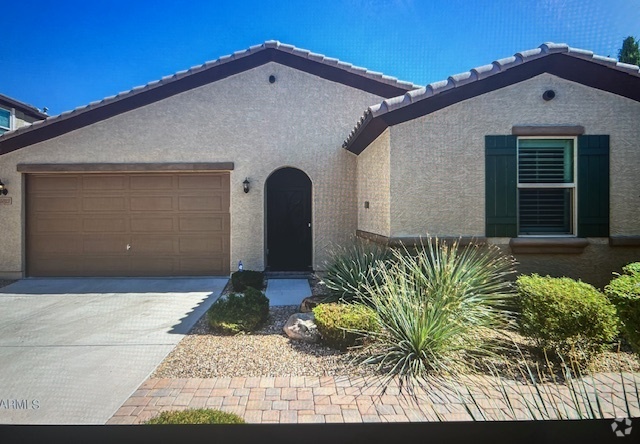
(152, 224)
(289, 221)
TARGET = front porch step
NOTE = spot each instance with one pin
(288, 274)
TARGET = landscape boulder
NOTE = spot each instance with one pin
(302, 326)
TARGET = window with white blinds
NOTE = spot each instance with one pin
(546, 186)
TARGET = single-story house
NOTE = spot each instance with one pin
(264, 156)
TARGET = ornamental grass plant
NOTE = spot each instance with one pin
(433, 306)
(353, 269)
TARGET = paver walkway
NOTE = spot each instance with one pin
(301, 399)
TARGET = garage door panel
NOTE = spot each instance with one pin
(103, 203)
(108, 224)
(58, 204)
(151, 203)
(204, 265)
(153, 224)
(54, 184)
(205, 182)
(105, 244)
(201, 203)
(145, 244)
(63, 223)
(217, 224)
(104, 183)
(202, 245)
(176, 224)
(152, 183)
(155, 266)
(61, 244)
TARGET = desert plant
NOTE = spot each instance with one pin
(624, 293)
(353, 268)
(565, 314)
(434, 304)
(240, 280)
(341, 325)
(196, 416)
(237, 313)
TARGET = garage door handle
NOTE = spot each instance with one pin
(128, 247)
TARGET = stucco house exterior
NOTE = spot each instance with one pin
(265, 157)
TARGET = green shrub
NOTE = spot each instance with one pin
(341, 325)
(351, 269)
(563, 313)
(238, 313)
(624, 293)
(196, 416)
(435, 303)
(240, 280)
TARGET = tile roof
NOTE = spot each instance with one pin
(480, 73)
(270, 44)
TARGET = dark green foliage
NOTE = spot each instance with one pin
(239, 313)
(196, 416)
(624, 292)
(341, 325)
(565, 314)
(352, 269)
(630, 51)
(240, 280)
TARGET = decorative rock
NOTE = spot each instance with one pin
(302, 326)
(309, 303)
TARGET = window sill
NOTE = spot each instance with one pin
(548, 245)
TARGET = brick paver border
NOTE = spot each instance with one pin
(301, 399)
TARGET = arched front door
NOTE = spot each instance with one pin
(288, 220)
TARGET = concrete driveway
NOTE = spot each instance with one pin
(73, 350)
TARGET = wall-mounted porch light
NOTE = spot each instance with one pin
(3, 189)
(245, 185)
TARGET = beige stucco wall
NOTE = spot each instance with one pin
(300, 121)
(374, 187)
(438, 175)
(437, 161)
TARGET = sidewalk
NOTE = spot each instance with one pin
(300, 399)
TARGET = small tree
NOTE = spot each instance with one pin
(629, 53)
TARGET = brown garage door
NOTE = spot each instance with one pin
(155, 224)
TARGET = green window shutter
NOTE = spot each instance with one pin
(501, 186)
(593, 186)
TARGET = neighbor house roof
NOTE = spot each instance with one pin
(561, 60)
(29, 110)
(270, 51)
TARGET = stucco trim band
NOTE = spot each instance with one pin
(111, 167)
(548, 245)
(624, 241)
(412, 241)
(547, 130)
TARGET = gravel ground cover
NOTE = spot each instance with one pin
(269, 352)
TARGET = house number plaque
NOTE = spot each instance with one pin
(5, 201)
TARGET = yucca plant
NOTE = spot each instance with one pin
(435, 305)
(352, 269)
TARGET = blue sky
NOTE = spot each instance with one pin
(65, 54)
